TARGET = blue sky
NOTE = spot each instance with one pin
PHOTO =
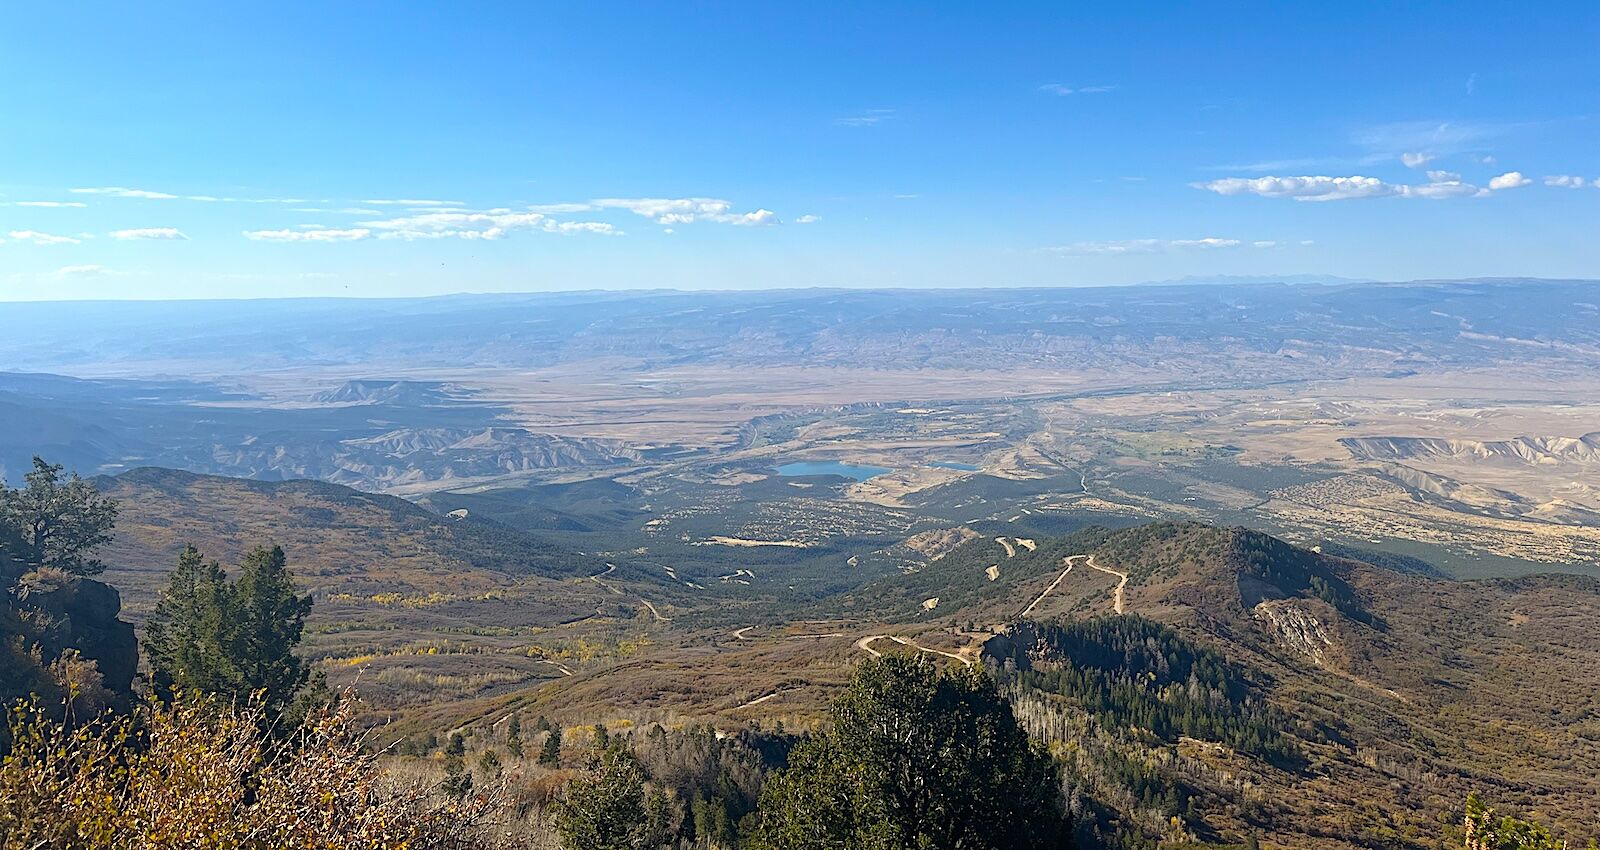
(199, 150)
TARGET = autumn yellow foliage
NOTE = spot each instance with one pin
(199, 776)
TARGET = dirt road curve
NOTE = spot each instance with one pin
(1069, 561)
(865, 645)
(1116, 603)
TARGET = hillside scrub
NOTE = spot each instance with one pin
(199, 775)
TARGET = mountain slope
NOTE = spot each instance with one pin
(1402, 692)
(422, 608)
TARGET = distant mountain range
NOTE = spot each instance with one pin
(1319, 319)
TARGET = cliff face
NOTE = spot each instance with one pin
(53, 614)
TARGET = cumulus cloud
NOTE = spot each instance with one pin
(1440, 185)
(1150, 246)
(808, 219)
(319, 235)
(38, 238)
(449, 222)
(1568, 181)
(1311, 188)
(148, 233)
(686, 210)
(488, 224)
(1509, 180)
(1416, 160)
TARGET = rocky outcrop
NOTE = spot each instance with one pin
(1294, 627)
(67, 613)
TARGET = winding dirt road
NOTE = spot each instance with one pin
(1116, 603)
(865, 645)
(1070, 560)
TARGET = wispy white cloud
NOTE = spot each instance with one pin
(1281, 164)
(489, 224)
(1441, 185)
(320, 235)
(149, 195)
(1062, 90)
(808, 219)
(866, 118)
(39, 238)
(49, 204)
(449, 222)
(686, 210)
(411, 202)
(86, 270)
(1416, 160)
(337, 210)
(1435, 137)
(1569, 181)
(1151, 246)
(148, 233)
(125, 192)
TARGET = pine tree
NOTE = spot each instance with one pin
(55, 523)
(916, 758)
(489, 764)
(271, 620)
(188, 639)
(550, 753)
(606, 806)
(233, 640)
(457, 782)
(514, 736)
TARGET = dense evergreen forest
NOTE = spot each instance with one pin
(1136, 673)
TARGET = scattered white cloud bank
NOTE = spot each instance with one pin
(867, 118)
(1440, 185)
(88, 270)
(808, 219)
(1416, 160)
(1153, 246)
(1509, 180)
(686, 210)
(1569, 181)
(38, 238)
(148, 233)
(320, 235)
(449, 222)
(60, 204)
(1062, 90)
(489, 224)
